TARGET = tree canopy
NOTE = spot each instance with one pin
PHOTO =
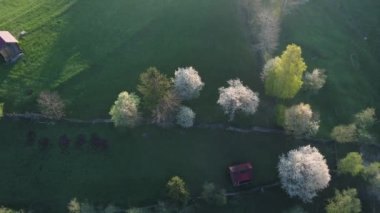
(344, 133)
(303, 172)
(299, 120)
(283, 79)
(125, 112)
(185, 117)
(237, 97)
(187, 83)
(346, 201)
(153, 86)
(351, 164)
(51, 105)
(177, 191)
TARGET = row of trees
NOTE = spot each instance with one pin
(358, 130)
(178, 197)
(161, 99)
(353, 164)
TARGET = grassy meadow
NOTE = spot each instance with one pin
(90, 50)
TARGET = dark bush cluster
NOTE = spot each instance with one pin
(95, 142)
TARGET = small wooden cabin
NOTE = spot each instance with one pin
(240, 174)
(10, 51)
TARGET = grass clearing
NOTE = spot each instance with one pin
(89, 57)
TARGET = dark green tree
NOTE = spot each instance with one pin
(153, 86)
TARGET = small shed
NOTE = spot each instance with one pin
(241, 174)
(10, 51)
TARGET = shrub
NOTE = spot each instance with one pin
(7, 210)
(1, 110)
(315, 80)
(346, 201)
(74, 206)
(125, 112)
(345, 133)
(177, 191)
(303, 172)
(212, 195)
(185, 117)
(299, 120)
(351, 164)
(187, 83)
(237, 97)
(138, 210)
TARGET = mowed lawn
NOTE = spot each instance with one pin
(90, 50)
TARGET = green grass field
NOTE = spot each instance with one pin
(89, 51)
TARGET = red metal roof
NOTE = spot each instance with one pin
(240, 174)
(7, 37)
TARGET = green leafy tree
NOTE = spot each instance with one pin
(125, 112)
(352, 164)
(365, 119)
(283, 79)
(177, 191)
(346, 201)
(372, 173)
(153, 86)
(212, 195)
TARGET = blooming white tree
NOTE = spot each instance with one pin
(268, 67)
(237, 97)
(125, 112)
(51, 105)
(300, 121)
(303, 172)
(185, 117)
(187, 83)
(315, 80)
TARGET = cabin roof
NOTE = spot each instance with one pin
(7, 37)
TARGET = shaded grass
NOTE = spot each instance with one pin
(135, 168)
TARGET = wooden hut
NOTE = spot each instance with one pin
(10, 51)
(240, 174)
